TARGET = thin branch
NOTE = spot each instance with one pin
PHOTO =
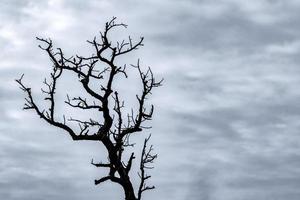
(81, 103)
(100, 164)
(30, 104)
(146, 158)
(149, 83)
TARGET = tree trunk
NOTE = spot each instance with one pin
(129, 194)
(127, 186)
(123, 173)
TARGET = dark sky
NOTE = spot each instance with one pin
(227, 120)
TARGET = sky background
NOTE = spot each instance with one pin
(226, 124)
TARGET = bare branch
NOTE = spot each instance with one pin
(131, 46)
(100, 164)
(129, 164)
(149, 83)
(30, 104)
(146, 158)
(106, 178)
(81, 103)
(117, 109)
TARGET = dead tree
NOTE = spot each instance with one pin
(115, 128)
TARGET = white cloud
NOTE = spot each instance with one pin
(284, 48)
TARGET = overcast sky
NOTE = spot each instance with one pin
(227, 120)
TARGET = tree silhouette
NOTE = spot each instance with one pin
(114, 129)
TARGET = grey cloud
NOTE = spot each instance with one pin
(255, 133)
(202, 186)
(226, 124)
(232, 30)
(13, 9)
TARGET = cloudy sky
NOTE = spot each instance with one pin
(227, 119)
